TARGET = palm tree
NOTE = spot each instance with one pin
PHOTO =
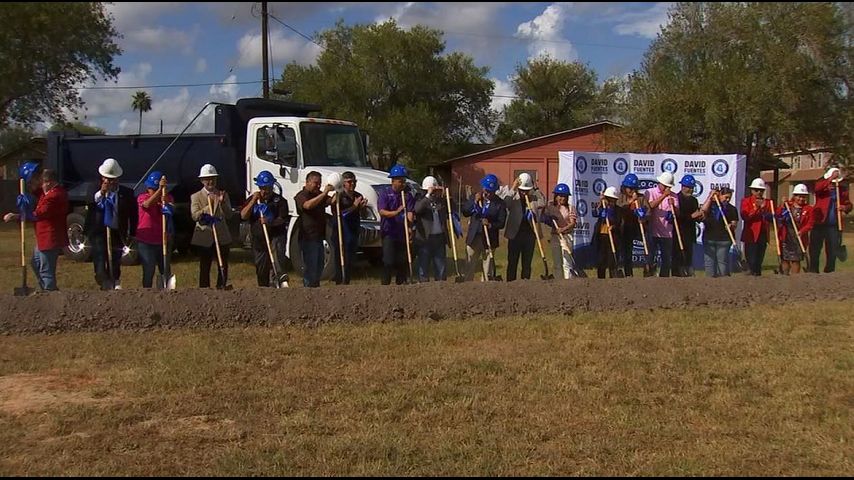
(141, 102)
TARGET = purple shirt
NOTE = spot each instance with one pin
(390, 201)
(660, 227)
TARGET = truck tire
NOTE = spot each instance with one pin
(78, 247)
(295, 255)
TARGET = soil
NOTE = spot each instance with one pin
(135, 310)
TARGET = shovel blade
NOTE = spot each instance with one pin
(459, 279)
(168, 283)
(23, 291)
(842, 253)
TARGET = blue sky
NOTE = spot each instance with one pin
(219, 44)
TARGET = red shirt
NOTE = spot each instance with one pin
(805, 223)
(755, 225)
(823, 189)
(50, 225)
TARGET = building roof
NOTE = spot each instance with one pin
(532, 140)
(804, 175)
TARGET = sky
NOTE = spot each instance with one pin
(218, 45)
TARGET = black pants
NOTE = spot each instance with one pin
(827, 236)
(100, 259)
(604, 257)
(755, 253)
(263, 267)
(207, 255)
(522, 244)
(627, 240)
(682, 260)
(394, 261)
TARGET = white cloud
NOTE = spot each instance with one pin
(129, 15)
(503, 90)
(284, 49)
(103, 102)
(160, 38)
(645, 24)
(546, 34)
(201, 65)
(226, 91)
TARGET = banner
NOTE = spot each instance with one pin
(589, 173)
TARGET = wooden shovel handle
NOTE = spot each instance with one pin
(643, 233)
(21, 186)
(676, 224)
(776, 233)
(608, 224)
(838, 209)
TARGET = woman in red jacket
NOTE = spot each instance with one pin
(797, 209)
(756, 213)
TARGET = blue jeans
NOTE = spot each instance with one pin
(312, 259)
(755, 253)
(351, 249)
(151, 256)
(432, 252)
(716, 257)
(665, 247)
(44, 264)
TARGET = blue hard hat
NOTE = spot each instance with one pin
(398, 171)
(492, 176)
(27, 170)
(561, 189)
(265, 179)
(631, 181)
(489, 184)
(152, 181)
(688, 181)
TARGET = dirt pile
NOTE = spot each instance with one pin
(194, 308)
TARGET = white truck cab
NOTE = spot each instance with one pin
(291, 147)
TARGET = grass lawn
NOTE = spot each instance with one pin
(760, 391)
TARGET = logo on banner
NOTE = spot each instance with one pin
(581, 207)
(669, 165)
(599, 186)
(698, 189)
(621, 166)
(645, 184)
(643, 166)
(695, 167)
(718, 186)
(720, 168)
(599, 165)
(582, 188)
(580, 164)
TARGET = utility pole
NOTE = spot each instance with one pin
(264, 41)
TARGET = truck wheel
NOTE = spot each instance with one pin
(78, 249)
(295, 256)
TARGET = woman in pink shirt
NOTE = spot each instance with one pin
(662, 204)
(149, 232)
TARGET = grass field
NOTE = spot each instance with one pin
(766, 391)
(73, 275)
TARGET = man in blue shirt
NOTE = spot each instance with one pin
(390, 205)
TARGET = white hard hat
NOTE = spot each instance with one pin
(830, 171)
(525, 181)
(208, 170)
(611, 192)
(666, 179)
(429, 182)
(335, 180)
(110, 168)
(800, 189)
(757, 184)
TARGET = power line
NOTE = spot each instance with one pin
(294, 30)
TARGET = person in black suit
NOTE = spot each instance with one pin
(114, 206)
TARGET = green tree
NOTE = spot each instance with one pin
(744, 78)
(47, 50)
(15, 136)
(141, 102)
(79, 127)
(552, 96)
(416, 102)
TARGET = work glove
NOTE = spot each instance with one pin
(476, 211)
(668, 217)
(458, 226)
(785, 216)
(529, 215)
(263, 210)
(25, 207)
(167, 209)
(107, 203)
(605, 212)
(768, 216)
(717, 213)
(208, 219)
(640, 212)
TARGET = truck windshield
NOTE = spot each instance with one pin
(328, 145)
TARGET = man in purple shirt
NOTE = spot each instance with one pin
(392, 227)
(662, 204)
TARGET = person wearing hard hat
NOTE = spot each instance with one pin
(601, 243)
(520, 235)
(634, 209)
(392, 225)
(562, 213)
(826, 230)
(311, 203)
(796, 208)
(149, 232)
(662, 205)
(716, 240)
(756, 214)
(488, 212)
(266, 207)
(688, 214)
(47, 212)
(352, 203)
(203, 236)
(111, 206)
(431, 230)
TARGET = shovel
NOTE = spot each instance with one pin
(406, 231)
(459, 278)
(218, 252)
(620, 272)
(841, 250)
(23, 290)
(741, 262)
(779, 269)
(110, 258)
(565, 246)
(168, 283)
(340, 238)
(547, 275)
(679, 238)
(491, 276)
(646, 271)
(797, 233)
(279, 281)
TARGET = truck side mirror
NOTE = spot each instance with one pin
(286, 146)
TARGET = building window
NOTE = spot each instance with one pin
(796, 163)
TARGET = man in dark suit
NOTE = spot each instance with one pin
(111, 207)
(488, 213)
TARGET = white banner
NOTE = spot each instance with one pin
(589, 173)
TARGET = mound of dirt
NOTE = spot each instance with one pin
(196, 308)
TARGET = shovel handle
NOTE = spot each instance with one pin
(270, 251)
(795, 226)
(726, 224)
(776, 233)
(340, 232)
(676, 224)
(486, 236)
(216, 238)
(451, 226)
(534, 227)
(608, 224)
(406, 231)
(163, 220)
(838, 209)
(23, 232)
(643, 233)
